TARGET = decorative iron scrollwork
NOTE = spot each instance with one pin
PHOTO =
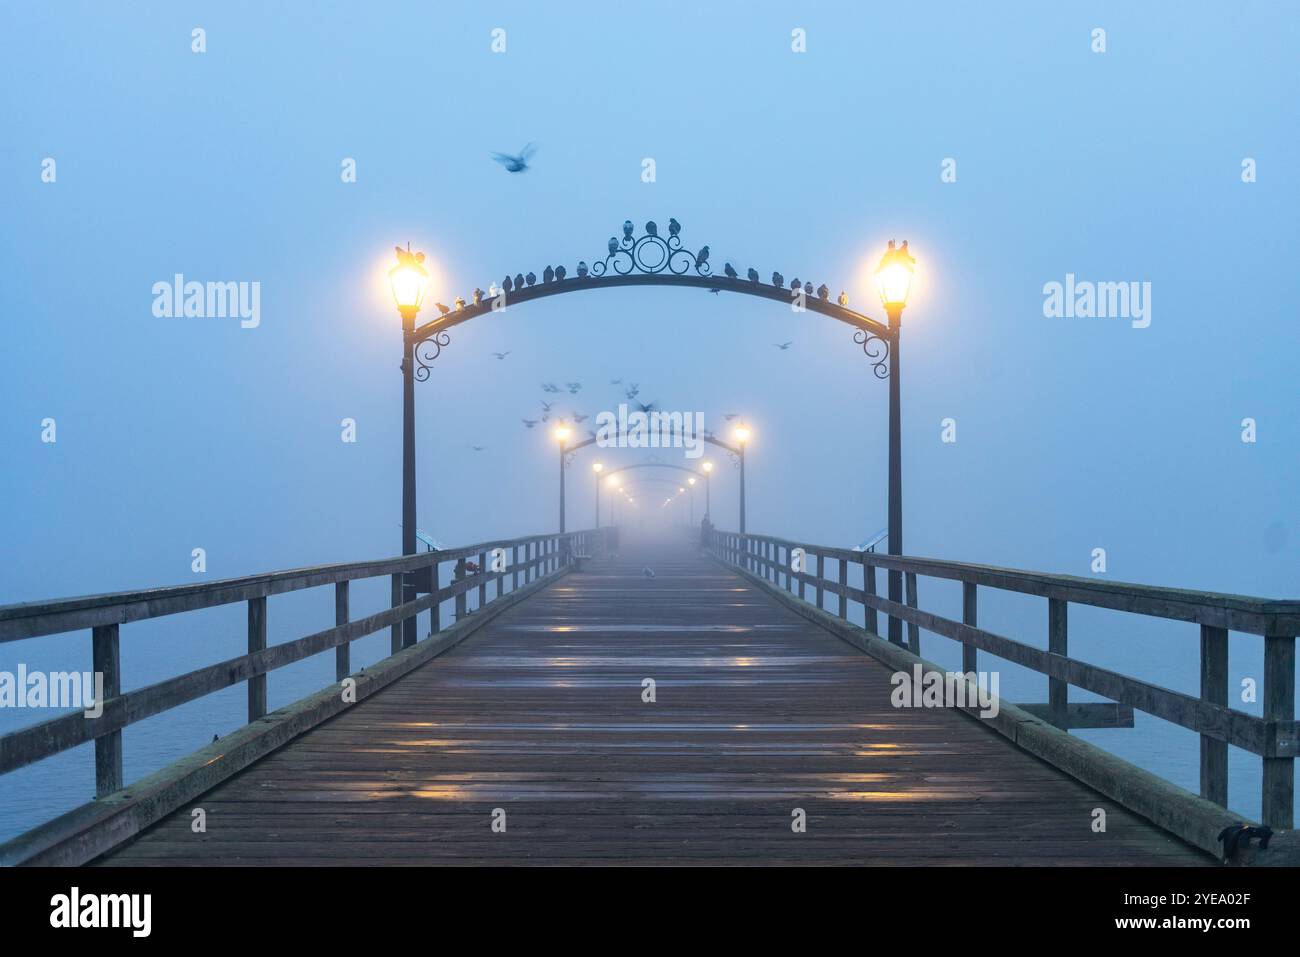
(428, 350)
(651, 253)
(876, 349)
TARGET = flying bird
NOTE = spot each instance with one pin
(546, 406)
(478, 448)
(646, 407)
(580, 418)
(528, 423)
(731, 415)
(550, 387)
(615, 381)
(573, 387)
(516, 164)
(783, 345)
(502, 355)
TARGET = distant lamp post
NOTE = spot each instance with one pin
(742, 435)
(598, 467)
(894, 282)
(708, 490)
(408, 280)
(691, 482)
(562, 433)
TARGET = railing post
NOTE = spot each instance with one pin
(106, 660)
(821, 574)
(395, 639)
(913, 629)
(870, 618)
(460, 595)
(342, 653)
(256, 642)
(1214, 690)
(844, 584)
(482, 570)
(1279, 705)
(435, 610)
(514, 567)
(1058, 689)
(969, 653)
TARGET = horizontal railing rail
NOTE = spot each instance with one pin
(521, 562)
(1274, 736)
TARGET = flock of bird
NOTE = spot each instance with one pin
(518, 163)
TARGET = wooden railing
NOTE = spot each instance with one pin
(525, 561)
(1274, 736)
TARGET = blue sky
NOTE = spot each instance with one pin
(1072, 434)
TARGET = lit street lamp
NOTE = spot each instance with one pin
(894, 282)
(562, 433)
(408, 280)
(597, 467)
(742, 439)
(708, 491)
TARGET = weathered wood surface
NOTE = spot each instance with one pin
(758, 713)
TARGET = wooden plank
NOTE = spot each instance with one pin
(1279, 705)
(342, 653)
(913, 632)
(107, 661)
(969, 616)
(1214, 689)
(256, 644)
(1058, 689)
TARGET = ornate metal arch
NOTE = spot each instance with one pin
(651, 259)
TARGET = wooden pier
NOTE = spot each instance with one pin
(530, 742)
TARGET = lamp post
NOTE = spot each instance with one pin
(708, 491)
(894, 281)
(408, 280)
(561, 434)
(742, 439)
(597, 467)
(691, 482)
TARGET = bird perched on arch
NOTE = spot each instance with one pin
(652, 228)
(442, 309)
(844, 298)
(752, 274)
(778, 280)
(507, 284)
(823, 291)
(703, 255)
(519, 280)
(582, 269)
(531, 279)
(674, 227)
(548, 274)
(516, 163)
(730, 270)
(560, 272)
(627, 229)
